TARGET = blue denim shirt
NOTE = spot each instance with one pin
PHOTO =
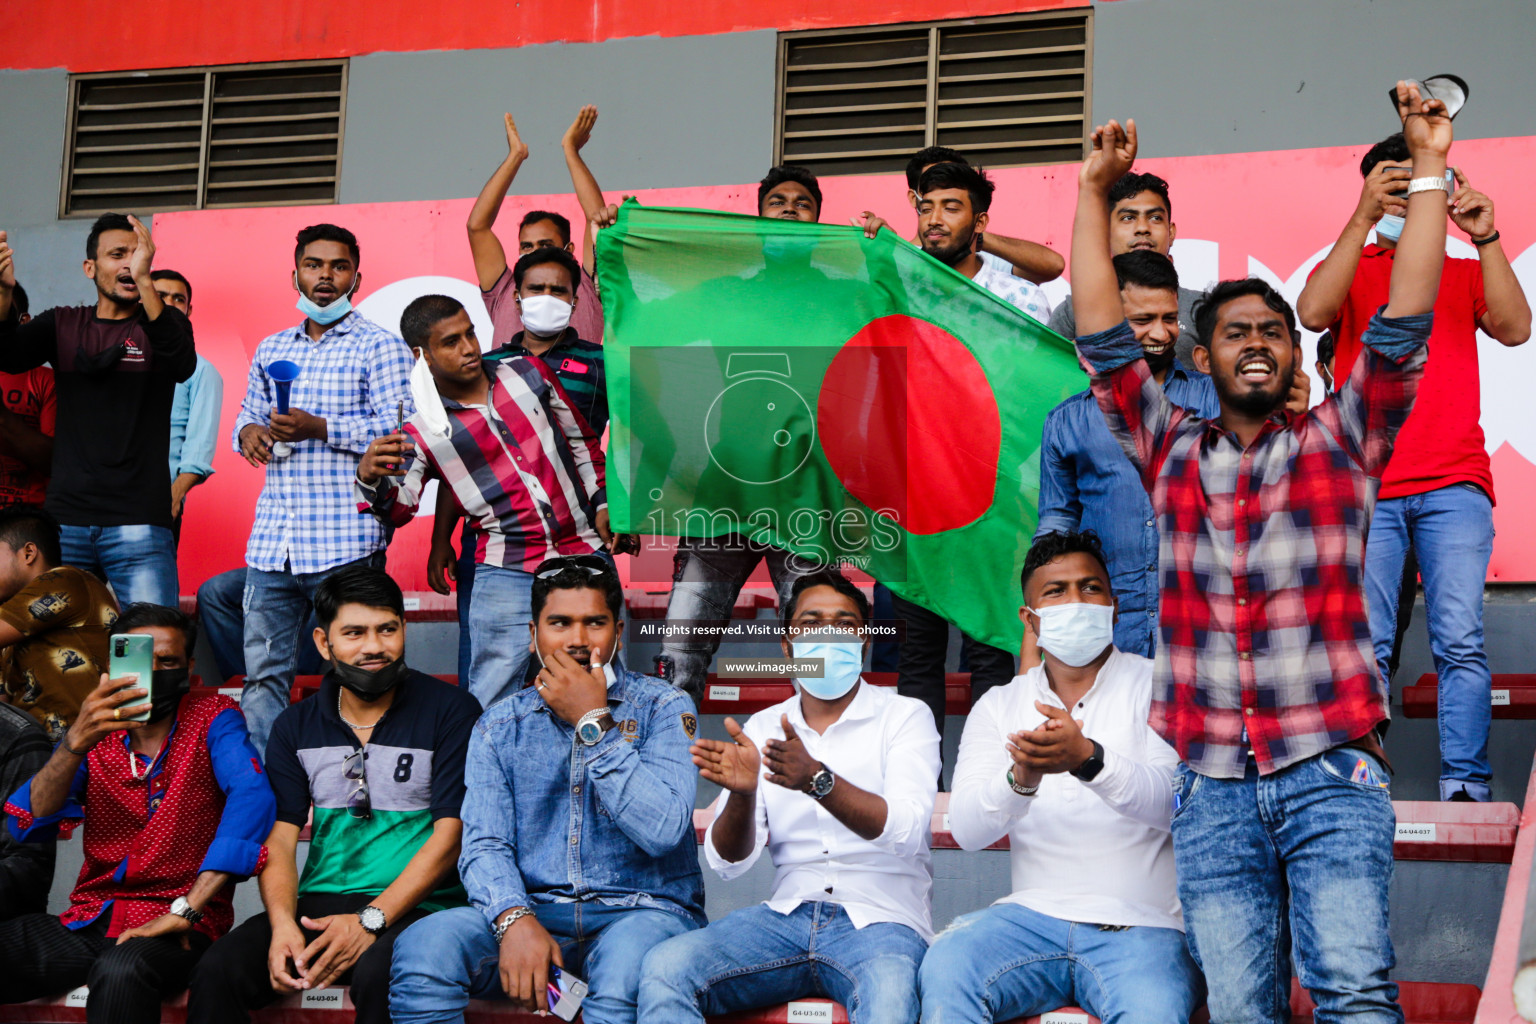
(1087, 483)
(549, 819)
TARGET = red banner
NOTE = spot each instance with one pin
(1271, 214)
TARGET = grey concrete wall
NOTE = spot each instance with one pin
(33, 112)
(1204, 77)
(696, 110)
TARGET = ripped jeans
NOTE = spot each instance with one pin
(277, 607)
(757, 956)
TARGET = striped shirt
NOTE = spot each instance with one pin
(355, 378)
(1264, 642)
(525, 468)
(579, 366)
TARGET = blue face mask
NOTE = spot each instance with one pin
(325, 315)
(842, 655)
(1390, 227)
(1076, 633)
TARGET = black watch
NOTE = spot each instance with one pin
(821, 783)
(1089, 769)
(372, 919)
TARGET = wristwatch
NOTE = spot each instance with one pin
(181, 908)
(1021, 790)
(1428, 184)
(1089, 769)
(821, 783)
(372, 919)
(499, 931)
(589, 727)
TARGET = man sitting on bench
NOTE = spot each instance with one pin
(838, 783)
(1063, 762)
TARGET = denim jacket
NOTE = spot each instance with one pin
(548, 819)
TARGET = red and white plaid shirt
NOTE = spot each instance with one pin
(1264, 638)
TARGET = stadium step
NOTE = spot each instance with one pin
(1514, 696)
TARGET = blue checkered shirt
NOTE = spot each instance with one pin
(354, 377)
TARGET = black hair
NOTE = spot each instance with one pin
(1394, 147)
(963, 176)
(1325, 347)
(172, 275)
(927, 158)
(1223, 292)
(106, 222)
(1133, 184)
(823, 578)
(562, 225)
(789, 172)
(19, 301)
(1146, 268)
(142, 614)
(356, 584)
(424, 313)
(1051, 546)
(540, 256)
(573, 575)
(326, 233)
(21, 525)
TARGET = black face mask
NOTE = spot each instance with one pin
(369, 684)
(170, 685)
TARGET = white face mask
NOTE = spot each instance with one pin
(1076, 633)
(545, 315)
(608, 674)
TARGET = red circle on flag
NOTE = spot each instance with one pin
(910, 425)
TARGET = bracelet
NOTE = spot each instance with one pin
(78, 753)
(1021, 790)
(499, 931)
(1480, 242)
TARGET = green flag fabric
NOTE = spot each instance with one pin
(848, 399)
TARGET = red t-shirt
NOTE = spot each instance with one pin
(30, 396)
(1442, 442)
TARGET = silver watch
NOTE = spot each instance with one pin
(1021, 790)
(499, 931)
(589, 727)
(181, 908)
(821, 783)
(1428, 184)
(372, 919)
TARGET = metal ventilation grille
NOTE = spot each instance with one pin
(1006, 91)
(252, 135)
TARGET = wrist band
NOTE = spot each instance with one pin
(1480, 242)
(78, 753)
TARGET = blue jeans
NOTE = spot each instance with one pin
(758, 957)
(219, 612)
(1301, 856)
(1009, 961)
(277, 606)
(499, 613)
(464, 589)
(449, 958)
(1451, 532)
(139, 561)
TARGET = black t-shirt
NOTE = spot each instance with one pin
(115, 380)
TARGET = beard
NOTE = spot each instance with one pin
(1257, 403)
(956, 250)
(108, 288)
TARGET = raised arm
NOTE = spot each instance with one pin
(1420, 253)
(484, 246)
(1507, 318)
(1320, 301)
(1031, 260)
(587, 191)
(1095, 289)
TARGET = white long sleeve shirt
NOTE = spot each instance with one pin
(1095, 852)
(884, 744)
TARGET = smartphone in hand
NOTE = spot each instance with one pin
(133, 654)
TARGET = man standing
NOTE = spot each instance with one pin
(1141, 218)
(54, 622)
(525, 467)
(838, 783)
(27, 417)
(709, 572)
(1063, 763)
(579, 851)
(174, 810)
(194, 409)
(116, 367)
(1265, 682)
(1436, 500)
(352, 387)
(1087, 483)
(378, 754)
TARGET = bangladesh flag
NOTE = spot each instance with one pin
(848, 399)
